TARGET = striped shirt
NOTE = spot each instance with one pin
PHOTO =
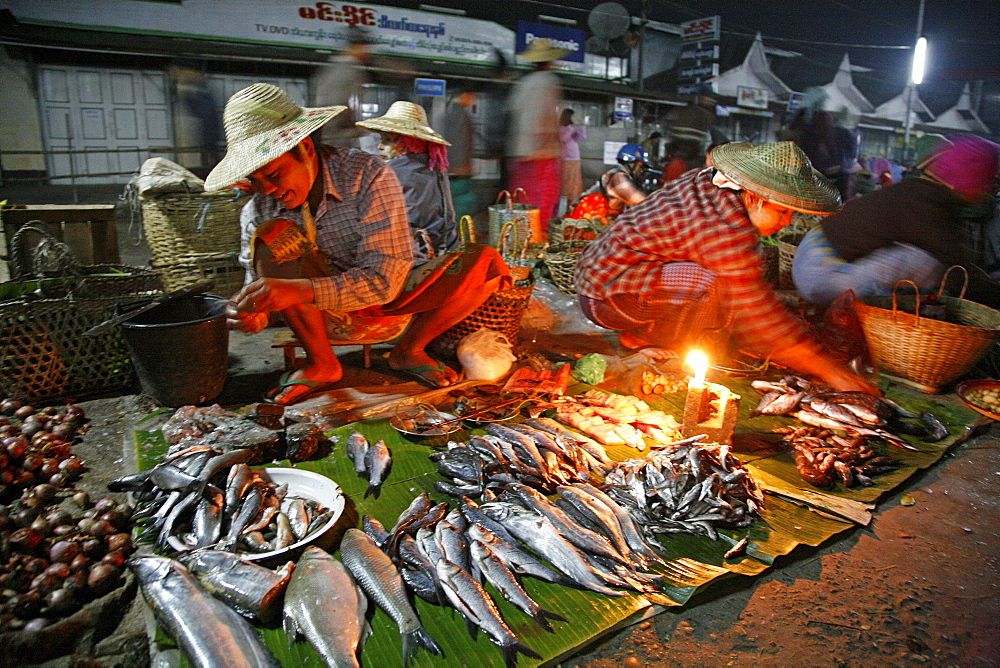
(361, 228)
(690, 219)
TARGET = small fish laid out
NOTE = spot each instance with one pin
(208, 632)
(823, 457)
(324, 604)
(201, 498)
(615, 419)
(691, 488)
(852, 412)
(378, 461)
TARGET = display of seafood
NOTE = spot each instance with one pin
(852, 412)
(223, 430)
(690, 488)
(538, 452)
(204, 498)
(615, 419)
(584, 540)
(823, 457)
(371, 461)
(248, 588)
(206, 629)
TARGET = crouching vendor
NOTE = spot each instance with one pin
(326, 242)
(684, 268)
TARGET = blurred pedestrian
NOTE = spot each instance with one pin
(419, 157)
(460, 131)
(570, 135)
(690, 134)
(204, 126)
(533, 149)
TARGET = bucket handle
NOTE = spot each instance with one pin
(508, 200)
(916, 321)
(944, 280)
(467, 230)
(512, 226)
(521, 197)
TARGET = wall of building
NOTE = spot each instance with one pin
(21, 128)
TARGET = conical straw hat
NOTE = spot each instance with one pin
(404, 118)
(780, 172)
(262, 123)
(541, 50)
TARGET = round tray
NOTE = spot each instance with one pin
(438, 438)
(304, 485)
(963, 389)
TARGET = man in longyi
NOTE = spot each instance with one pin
(326, 242)
(683, 266)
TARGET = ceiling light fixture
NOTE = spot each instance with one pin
(557, 19)
(443, 10)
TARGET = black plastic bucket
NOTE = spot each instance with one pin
(180, 349)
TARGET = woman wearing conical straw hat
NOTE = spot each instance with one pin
(326, 242)
(419, 157)
(682, 268)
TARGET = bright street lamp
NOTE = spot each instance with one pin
(919, 60)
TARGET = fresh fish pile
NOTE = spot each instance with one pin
(539, 452)
(324, 603)
(203, 498)
(615, 419)
(852, 412)
(584, 540)
(690, 488)
(248, 588)
(224, 430)
(207, 631)
(371, 461)
(823, 457)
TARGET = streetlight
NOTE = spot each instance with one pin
(916, 76)
(919, 59)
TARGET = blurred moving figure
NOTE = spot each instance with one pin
(618, 188)
(419, 157)
(690, 134)
(460, 131)
(203, 122)
(906, 230)
(570, 135)
(533, 149)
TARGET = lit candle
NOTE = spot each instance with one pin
(710, 409)
(698, 362)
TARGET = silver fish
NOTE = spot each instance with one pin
(206, 524)
(375, 530)
(246, 587)
(378, 461)
(208, 631)
(476, 606)
(453, 543)
(504, 581)
(324, 604)
(357, 448)
(298, 516)
(380, 579)
(516, 558)
(588, 444)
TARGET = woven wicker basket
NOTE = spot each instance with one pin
(786, 257)
(183, 224)
(223, 268)
(927, 354)
(561, 259)
(502, 312)
(529, 228)
(574, 226)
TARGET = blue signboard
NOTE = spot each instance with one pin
(432, 87)
(565, 38)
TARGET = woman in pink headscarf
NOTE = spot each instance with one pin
(906, 230)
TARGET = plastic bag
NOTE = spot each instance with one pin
(485, 355)
(159, 175)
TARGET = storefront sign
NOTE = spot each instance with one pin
(623, 108)
(695, 88)
(564, 38)
(794, 101)
(432, 87)
(700, 72)
(313, 25)
(755, 98)
(701, 29)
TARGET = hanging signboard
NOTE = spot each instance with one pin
(701, 30)
(700, 71)
(431, 87)
(700, 53)
(563, 38)
(623, 108)
(755, 98)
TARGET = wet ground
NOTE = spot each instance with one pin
(919, 585)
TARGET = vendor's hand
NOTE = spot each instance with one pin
(249, 323)
(274, 294)
(843, 379)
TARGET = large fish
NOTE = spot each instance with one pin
(474, 603)
(378, 461)
(357, 448)
(380, 579)
(504, 581)
(324, 604)
(208, 631)
(250, 589)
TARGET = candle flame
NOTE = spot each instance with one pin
(698, 362)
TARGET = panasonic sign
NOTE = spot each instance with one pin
(563, 38)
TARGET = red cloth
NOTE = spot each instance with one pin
(541, 182)
(692, 220)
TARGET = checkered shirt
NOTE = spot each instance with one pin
(361, 228)
(690, 219)
(620, 186)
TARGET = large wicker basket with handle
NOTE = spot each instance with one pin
(923, 352)
(561, 258)
(508, 209)
(502, 312)
(181, 224)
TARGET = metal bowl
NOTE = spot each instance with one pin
(417, 424)
(963, 390)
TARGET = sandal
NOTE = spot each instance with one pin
(314, 386)
(417, 373)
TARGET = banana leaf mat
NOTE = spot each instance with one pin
(694, 560)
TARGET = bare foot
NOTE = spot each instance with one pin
(633, 342)
(433, 372)
(307, 380)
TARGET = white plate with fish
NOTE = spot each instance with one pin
(309, 487)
